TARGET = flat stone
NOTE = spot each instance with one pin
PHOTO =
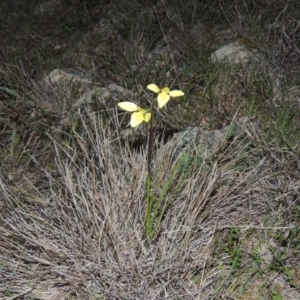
(207, 141)
(58, 76)
(233, 53)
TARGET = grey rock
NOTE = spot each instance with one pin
(204, 141)
(233, 53)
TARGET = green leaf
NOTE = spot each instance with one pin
(9, 91)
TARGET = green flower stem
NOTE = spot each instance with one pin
(150, 139)
(148, 219)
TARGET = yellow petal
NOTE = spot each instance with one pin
(153, 87)
(165, 89)
(136, 119)
(176, 93)
(162, 99)
(128, 106)
(147, 117)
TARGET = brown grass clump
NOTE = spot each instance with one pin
(81, 234)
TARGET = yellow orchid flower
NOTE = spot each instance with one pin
(139, 115)
(164, 94)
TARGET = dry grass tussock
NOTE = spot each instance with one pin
(80, 236)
